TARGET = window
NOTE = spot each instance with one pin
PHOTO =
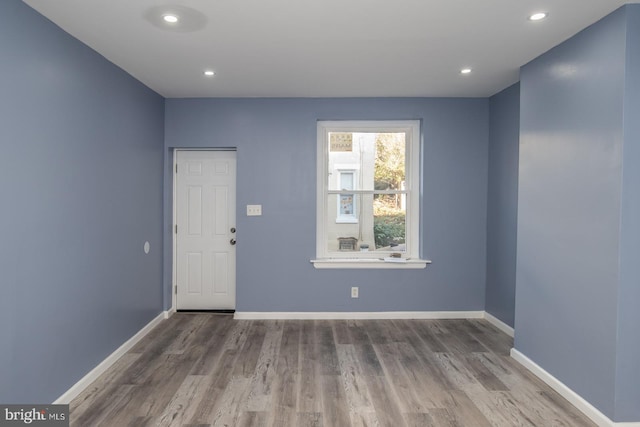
(368, 194)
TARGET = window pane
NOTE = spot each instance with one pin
(377, 223)
(346, 162)
(389, 161)
(389, 226)
(343, 225)
(376, 160)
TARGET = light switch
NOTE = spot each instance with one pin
(254, 210)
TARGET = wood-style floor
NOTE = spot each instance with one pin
(210, 370)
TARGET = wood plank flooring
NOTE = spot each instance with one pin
(210, 370)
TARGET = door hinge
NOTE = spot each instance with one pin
(176, 168)
(176, 228)
(175, 289)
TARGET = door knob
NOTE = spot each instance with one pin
(232, 241)
(233, 229)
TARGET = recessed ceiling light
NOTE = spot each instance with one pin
(465, 71)
(176, 18)
(538, 16)
(209, 73)
(170, 18)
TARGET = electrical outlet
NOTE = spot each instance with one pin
(254, 210)
(354, 292)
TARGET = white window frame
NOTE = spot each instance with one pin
(372, 259)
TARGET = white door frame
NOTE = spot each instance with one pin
(174, 252)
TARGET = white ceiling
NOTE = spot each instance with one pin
(328, 48)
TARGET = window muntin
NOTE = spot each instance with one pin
(368, 192)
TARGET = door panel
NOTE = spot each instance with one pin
(205, 214)
(194, 273)
(195, 211)
(220, 276)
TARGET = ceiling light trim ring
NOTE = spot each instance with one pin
(176, 18)
(538, 16)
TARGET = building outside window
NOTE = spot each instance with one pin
(347, 205)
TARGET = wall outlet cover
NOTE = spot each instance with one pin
(254, 210)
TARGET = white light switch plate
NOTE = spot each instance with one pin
(254, 210)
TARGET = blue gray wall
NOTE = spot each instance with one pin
(276, 143)
(81, 173)
(627, 401)
(575, 266)
(502, 203)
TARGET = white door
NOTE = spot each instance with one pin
(205, 206)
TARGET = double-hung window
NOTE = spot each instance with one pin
(368, 194)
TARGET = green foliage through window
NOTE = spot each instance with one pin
(389, 230)
(389, 174)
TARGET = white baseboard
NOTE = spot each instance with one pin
(574, 398)
(169, 313)
(85, 381)
(363, 315)
(499, 324)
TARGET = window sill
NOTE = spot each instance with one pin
(369, 263)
